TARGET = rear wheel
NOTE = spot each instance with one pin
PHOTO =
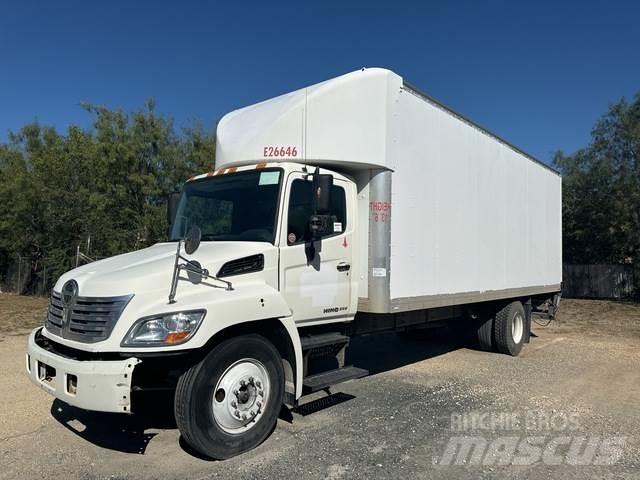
(229, 402)
(484, 332)
(509, 329)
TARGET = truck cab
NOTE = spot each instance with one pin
(261, 269)
(268, 209)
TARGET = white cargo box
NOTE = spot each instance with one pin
(449, 212)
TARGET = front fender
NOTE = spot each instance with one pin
(245, 304)
(248, 305)
(294, 336)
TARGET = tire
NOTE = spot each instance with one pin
(509, 329)
(217, 414)
(484, 333)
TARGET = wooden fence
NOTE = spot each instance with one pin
(600, 281)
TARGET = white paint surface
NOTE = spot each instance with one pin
(469, 213)
(340, 121)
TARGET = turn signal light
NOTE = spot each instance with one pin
(175, 337)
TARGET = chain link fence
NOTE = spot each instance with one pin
(26, 276)
(33, 276)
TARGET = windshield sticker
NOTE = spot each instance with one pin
(269, 178)
(291, 238)
(337, 227)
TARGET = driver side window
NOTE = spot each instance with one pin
(300, 211)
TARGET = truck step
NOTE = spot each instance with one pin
(320, 381)
(323, 340)
(324, 344)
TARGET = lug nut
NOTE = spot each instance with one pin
(233, 403)
(250, 379)
(244, 416)
(235, 392)
(237, 413)
(260, 392)
(258, 384)
(242, 383)
(252, 413)
(259, 404)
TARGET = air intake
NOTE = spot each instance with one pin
(252, 263)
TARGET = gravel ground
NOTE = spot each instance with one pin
(577, 380)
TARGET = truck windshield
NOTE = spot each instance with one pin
(232, 207)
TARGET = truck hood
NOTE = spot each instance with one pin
(150, 269)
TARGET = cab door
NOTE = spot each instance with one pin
(316, 276)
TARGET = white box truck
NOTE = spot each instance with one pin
(354, 206)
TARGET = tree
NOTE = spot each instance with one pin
(601, 191)
(108, 183)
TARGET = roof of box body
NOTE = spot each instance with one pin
(342, 121)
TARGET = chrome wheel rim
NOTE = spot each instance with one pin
(240, 396)
(517, 328)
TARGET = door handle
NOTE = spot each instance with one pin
(343, 267)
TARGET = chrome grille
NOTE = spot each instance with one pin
(87, 319)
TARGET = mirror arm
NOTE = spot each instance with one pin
(175, 275)
(205, 273)
(177, 267)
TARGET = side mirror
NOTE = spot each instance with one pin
(195, 272)
(322, 186)
(172, 207)
(192, 240)
(320, 221)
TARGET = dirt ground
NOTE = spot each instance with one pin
(19, 315)
(577, 383)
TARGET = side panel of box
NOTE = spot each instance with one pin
(470, 215)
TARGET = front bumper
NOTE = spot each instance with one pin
(104, 386)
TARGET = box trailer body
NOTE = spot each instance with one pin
(448, 213)
(354, 206)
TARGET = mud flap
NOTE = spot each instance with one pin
(527, 321)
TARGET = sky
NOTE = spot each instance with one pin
(537, 73)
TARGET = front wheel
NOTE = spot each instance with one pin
(229, 402)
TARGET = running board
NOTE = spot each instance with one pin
(320, 381)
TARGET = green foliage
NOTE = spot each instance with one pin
(109, 183)
(601, 191)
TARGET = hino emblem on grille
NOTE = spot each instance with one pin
(68, 294)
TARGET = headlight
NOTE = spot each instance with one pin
(164, 329)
